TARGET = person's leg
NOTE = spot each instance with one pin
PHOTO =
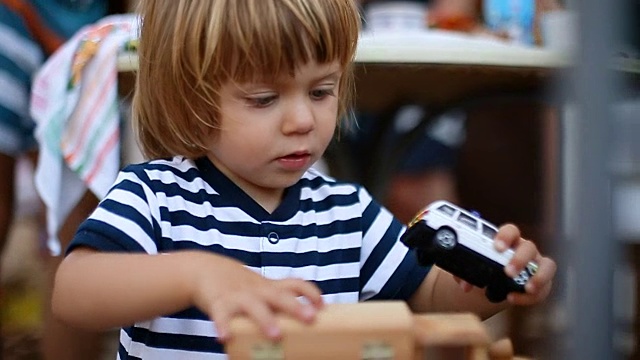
(60, 341)
(7, 196)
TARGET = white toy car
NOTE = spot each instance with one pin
(461, 243)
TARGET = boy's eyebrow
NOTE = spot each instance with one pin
(332, 76)
(335, 75)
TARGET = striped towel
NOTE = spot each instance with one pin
(74, 103)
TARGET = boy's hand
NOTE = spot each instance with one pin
(239, 291)
(539, 286)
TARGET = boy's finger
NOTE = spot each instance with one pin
(260, 312)
(530, 299)
(525, 252)
(508, 235)
(221, 317)
(306, 289)
(520, 299)
(545, 274)
(289, 304)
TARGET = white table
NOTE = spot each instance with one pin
(391, 67)
(444, 47)
(436, 47)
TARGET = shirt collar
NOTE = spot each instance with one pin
(230, 191)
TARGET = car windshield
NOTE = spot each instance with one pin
(447, 209)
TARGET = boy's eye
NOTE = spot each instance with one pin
(319, 94)
(262, 101)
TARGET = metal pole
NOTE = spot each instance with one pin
(592, 247)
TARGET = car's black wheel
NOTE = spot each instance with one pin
(445, 238)
(496, 293)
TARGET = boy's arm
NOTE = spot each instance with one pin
(102, 290)
(440, 292)
(98, 290)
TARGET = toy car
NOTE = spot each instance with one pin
(461, 243)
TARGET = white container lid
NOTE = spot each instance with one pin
(396, 15)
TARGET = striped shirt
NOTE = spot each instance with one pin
(331, 233)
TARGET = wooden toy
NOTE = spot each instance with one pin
(380, 330)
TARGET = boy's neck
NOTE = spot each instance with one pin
(268, 198)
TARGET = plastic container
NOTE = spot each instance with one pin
(396, 15)
(513, 18)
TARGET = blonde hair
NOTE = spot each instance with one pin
(189, 48)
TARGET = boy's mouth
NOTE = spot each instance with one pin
(295, 156)
(295, 161)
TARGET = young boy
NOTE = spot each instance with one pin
(235, 100)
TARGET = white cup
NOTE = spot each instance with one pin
(396, 15)
(559, 30)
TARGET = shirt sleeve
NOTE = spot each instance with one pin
(389, 269)
(123, 220)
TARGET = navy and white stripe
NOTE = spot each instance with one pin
(328, 232)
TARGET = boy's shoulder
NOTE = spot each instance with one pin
(168, 168)
(176, 162)
(321, 184)
(318, 177)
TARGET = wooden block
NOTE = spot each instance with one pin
(456, 329)
(450, 336)
(368, 330)
(501, 350)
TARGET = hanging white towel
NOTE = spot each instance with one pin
(75, 105)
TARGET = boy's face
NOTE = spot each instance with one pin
(272, 132)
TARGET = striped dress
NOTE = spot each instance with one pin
(331, 233)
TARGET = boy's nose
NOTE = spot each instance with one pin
(298, 118)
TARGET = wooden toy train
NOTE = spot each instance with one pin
(375, 330)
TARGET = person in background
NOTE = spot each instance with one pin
(30, 31)
(426, 169)
(228, 218)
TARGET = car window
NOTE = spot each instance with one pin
(468, 220)
(447, 209)
(488, 231)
